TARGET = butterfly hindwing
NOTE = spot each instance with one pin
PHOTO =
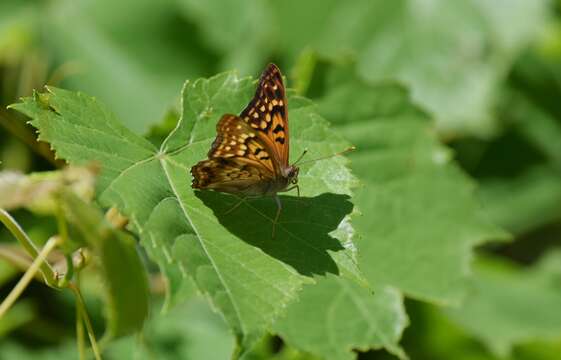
(227, 174)
(235, 138)
(267, 114)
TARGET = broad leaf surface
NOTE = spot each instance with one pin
(112, 48)
(420, 219)
(508, 305)
(193, 330)
(336, 316)
(249, 276)
(418, 222)
(453, 55)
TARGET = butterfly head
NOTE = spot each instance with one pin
(291, 174)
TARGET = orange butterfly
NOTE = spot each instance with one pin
(249, 156)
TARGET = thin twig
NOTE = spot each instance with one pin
(84, 314)
(80, 328)
(16, 230)
(28, 276)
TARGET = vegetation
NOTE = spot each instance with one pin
(438, 238)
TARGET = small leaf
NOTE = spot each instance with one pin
(509, 305)
(124, 276)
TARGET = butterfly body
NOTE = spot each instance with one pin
(249, 156)
(207, 179)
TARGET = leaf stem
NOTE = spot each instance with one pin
(81, 307)
(16, 230)
(80, 328)
(28, 276)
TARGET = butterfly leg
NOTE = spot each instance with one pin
(295, 187)
(242, 200)
(277, 216)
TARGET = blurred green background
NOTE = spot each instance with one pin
(487, 72)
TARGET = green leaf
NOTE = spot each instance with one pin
(420, 219)
(249, 276)
(246, 42)
(124, 275)
(524, 202)
(20, 314)
(336, 316)
(133, 55)
(12, 350)
(453, 55)
(509, 304)
(189, 331)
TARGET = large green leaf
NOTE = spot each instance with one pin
(420, 219)
(453, 55)
(112, 48)
(249, 276)
(336, 316)
(509, 305)
(419, 222)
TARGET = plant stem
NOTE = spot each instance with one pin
(16, 230)
(80, 328)
(29, 274)
(81, 306)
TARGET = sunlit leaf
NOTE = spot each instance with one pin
(249, 276)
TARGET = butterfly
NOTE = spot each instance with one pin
(249, 156)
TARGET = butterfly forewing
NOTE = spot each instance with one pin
(267, 113)
(235, 138)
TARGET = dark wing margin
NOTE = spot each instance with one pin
(267, 113)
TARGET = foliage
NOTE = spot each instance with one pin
(423, 242)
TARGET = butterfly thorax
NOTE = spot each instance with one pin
(278, 184)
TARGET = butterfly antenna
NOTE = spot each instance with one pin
(349, 149)
(301, 156)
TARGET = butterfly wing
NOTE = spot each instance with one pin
(267, 113)
(228, 175)
(235, 138)
(238, 160)
(250, 151)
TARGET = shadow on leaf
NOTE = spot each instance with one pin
(302, 237)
